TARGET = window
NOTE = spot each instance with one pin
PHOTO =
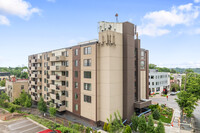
(152, 77)
(67, 83)
(66, 103)
(67, 73)
(76, 74)
(66, 93)
(76, 107)
(152, 83)
(76, 84)
(52, 63)
(87, 74)
(53, 54)
(63, 73)
(65, 63)
(22, 87)
(87, 86)
(63, 103)
(87, 50)
(142, 65)
(63, 83)
(87, 62)
(76, 63)
(76, 96)
(63, 93)
(76, 51)
(87, 99)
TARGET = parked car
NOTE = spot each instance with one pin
(50, 131)
(173, 93)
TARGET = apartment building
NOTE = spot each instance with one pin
(94, 78)
(14, 87)
(158, 81)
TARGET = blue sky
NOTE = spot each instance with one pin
(169, 29)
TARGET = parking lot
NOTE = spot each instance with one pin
(20, 126)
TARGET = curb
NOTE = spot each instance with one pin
(36, 123)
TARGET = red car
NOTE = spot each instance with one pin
(50, 131)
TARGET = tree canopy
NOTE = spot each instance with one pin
(17, 71)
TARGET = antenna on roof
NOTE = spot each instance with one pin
(116, 15)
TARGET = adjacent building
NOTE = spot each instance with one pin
(14, 87)
(158, 81)
(177, 79)
(94, 78)
(4, 75)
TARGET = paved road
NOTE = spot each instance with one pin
(172, 103)
(20, 126)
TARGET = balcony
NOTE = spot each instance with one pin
(53, 87)
(33, 68)
(53, 96)
(39, 83)
(57, 58)
(38, 60)
(142, 104)
(32, 89)
(39, 75)
(39, 68)
(33, 82)
(57, 68)
(63, 78)
(61, 108)
(39, 90)
(52, 77)
(33, 75)
(62, 98)
(62, 88)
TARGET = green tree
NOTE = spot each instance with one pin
(150, 127)
(42, 107)
(52, 112)
(152, 66)
(142, 126)
(3, 83)
(3, 98)
(134, 120)
(28, 102)
(115, 125)
(186, 102)
(156, 114)
(160, 128)
(22, 98)
(127, 129)
(175, 87)
(173, 71)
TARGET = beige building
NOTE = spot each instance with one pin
(95, 78)
(14, 87)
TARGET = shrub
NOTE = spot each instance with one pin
(108, 127)
(128, 129)
(150, 127)
(12, 109)
(142, 126)
(105, 126)
(156, 115)
(163, 105)
(134, 120)
(160, 128)
(88, 130)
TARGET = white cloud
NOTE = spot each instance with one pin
(51, 1)
(19, 8)
(190, 64)
(196, 1)
(154, 23)
(4, 20)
